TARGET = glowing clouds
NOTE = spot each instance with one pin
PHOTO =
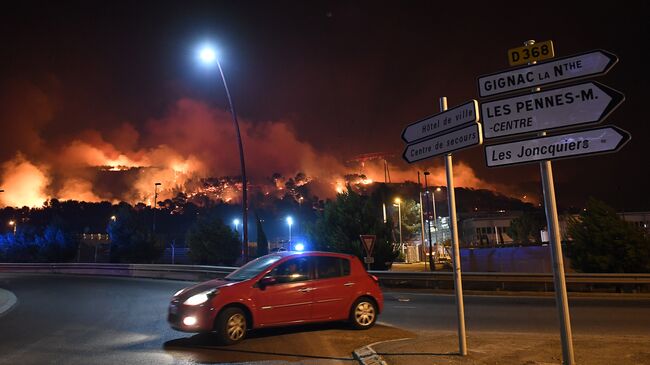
(24, 183)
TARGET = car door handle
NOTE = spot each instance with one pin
(348, 284)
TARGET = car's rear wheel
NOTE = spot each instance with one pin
(363, 313)
(231, 326)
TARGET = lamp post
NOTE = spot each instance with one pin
(155, 197)
(13, 224)
(290, 223)
(208, 56)
(398, 203)
(236, 223)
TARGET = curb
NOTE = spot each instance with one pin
(9, 302)
(366, 355)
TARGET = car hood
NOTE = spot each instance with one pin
(205, 286)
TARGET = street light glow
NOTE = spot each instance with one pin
(236, 222)
(289, 221)
(207, 55)
(299, 247)
(398, 200)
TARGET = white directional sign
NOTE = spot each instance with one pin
(558, 70)
(435, 124)
(582, 143)
(462, 138)
(575, 105)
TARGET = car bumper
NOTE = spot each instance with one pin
(190, 318)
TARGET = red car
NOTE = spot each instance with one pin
(280, 289)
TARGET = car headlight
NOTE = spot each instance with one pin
(200, 298)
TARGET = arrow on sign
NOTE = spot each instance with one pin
(582, 143)
(575, 105)
(592, 63)
(438, 123)
(440, 145)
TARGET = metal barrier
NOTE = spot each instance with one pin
(635, 283)
(174, 272)
(577, 282)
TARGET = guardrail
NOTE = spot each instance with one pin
(577, 282)
(635, 283)
(174, 272)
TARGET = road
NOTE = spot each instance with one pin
(603, 315)
(61, 319)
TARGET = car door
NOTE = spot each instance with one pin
(289, 299)
(333, 288)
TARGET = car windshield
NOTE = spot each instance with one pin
(253, 268)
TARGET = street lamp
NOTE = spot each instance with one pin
(290, 223)
(13, 224)
(236, 223)
(155, 197)
(208, 56)
(398, 203)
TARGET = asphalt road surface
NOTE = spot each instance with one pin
(62, 319)
(605, 315)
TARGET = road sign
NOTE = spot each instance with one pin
(368, 241)
(592, 63)
(531, 53)
(453, 141)
(575, 105)
(581, 143)
(444, 121)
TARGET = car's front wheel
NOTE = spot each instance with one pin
(363, 314)
(231, 326)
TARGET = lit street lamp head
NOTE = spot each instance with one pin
(207, 55)
(289, 221)
(236, 222)
(398, 200)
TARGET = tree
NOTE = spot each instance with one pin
(338, 228)
(131, 239)
(211, 242)
(262, 241)
(527, 226)
(55, 245)
(603, 242)
(411, 223)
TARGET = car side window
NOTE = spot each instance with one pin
(292, 271)
(332, 267)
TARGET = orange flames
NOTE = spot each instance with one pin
(191, 143)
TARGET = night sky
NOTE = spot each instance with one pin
(344, 77)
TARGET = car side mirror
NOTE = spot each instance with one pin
(266, 281)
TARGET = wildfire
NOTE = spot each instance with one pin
(182, 151)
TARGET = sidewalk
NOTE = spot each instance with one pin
(508, 349)
(7, 300)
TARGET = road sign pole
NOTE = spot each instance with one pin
(559, 280)
(458, 284)
(422, 246)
